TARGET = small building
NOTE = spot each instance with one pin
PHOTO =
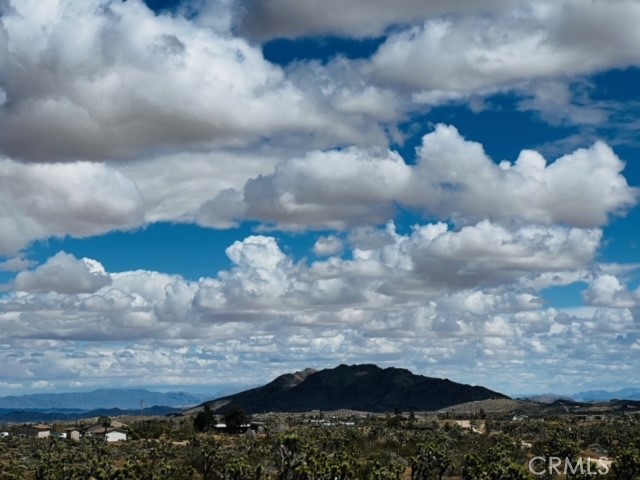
(95, 429)
(110, 434)
(590, 417)
(73, 434)
(258, 427)
(115, 435)
(35, 430)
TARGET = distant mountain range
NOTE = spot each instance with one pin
(587, 396)
(603, 395)
(356, 387)
(108, 398)
(66, 415)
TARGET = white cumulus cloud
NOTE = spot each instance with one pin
(536, 40)
(102, 79)
(46, 200)
(63, 273)
(453, 179)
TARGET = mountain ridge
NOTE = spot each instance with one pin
(629, 393)
(66, 415)
(364, 387)
(125, 399)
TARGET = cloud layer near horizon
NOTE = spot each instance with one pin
(114, 117)
(424, 298)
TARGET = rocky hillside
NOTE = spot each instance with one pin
(357, 387)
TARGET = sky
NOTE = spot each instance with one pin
(197, 194)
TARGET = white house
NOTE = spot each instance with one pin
(110, 434)
(115, 435)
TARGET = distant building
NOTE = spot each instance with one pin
(95, 429)
(115, 435)
(258, 427)
(73, 434)
(110, 434)
(36, 430)
(590, 418)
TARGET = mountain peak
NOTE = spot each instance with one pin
(290, 380)
(365, 387)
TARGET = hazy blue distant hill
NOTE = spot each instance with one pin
(603, 395)
(107, 398)
(357, 387)
(546, 397)
(52, 415)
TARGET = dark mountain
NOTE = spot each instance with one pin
(357, 387)
(633, 405)
(113, 398)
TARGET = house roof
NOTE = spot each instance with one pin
(40, 426)
(109, 430)
(96, 428)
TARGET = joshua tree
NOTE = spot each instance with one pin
(105, 421)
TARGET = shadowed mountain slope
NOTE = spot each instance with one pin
(357, 387)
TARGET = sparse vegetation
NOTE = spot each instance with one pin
(331, 446)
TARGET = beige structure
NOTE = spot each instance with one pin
(73, 434)
(36, 430)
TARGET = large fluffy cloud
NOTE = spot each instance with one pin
(130, 83)
(76, 299)
(106, 79)
(63, 273)
(539, 40)
(80, 199)
(174, 187)
(488, 253)
(220, 135)
(453, 179)
(606, 290)
(456, 179)
(318, 191)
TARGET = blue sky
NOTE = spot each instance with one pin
(197, 194)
